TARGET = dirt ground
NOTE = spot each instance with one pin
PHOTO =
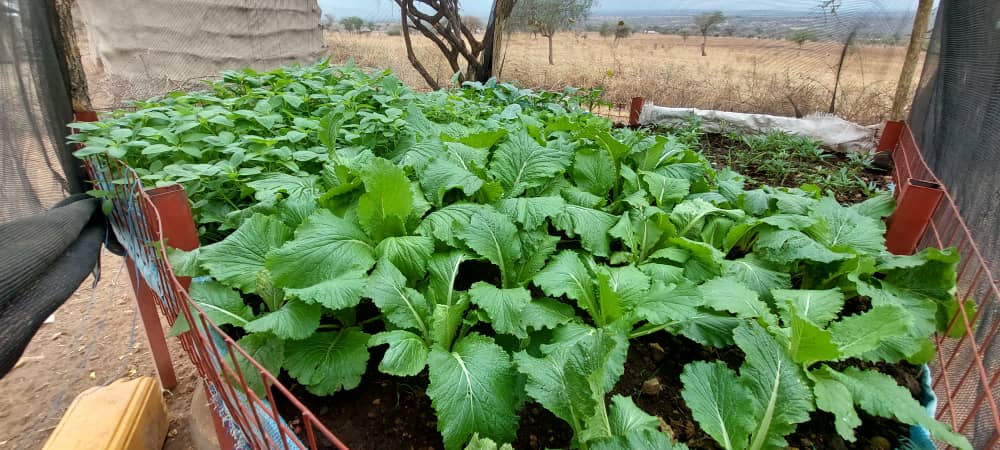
(96, 339)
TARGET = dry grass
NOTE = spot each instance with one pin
(739, 74)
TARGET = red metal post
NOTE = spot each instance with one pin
(914, 210)
(890, 136)
(145, 300)
(176, 220)
(179, 231)
(225, 439)
(634, 110)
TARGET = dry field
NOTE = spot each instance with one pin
(739, 74)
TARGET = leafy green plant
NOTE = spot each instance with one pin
(508, 244)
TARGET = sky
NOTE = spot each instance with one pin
(386, 9)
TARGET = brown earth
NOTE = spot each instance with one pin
(96, 339)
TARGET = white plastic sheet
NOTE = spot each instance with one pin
(834, 132)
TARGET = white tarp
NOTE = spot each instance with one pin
(834, 132)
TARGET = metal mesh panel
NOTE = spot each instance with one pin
(34, 109)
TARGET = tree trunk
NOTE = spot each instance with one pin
(551, 63)
(704, 40)
(840, 68)
(71, 56)
(493, 39)
(910, 62)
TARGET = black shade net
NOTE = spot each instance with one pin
(50, 239)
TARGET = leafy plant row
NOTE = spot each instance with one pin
(512, 245)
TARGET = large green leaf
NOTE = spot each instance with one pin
(594, 171)
(408, 253)
(780, 397)
(787, 246)
(592, 225)
(692, 216)
(505, 307)
(342, 291)
(845, 230)
(537, 247)
(221, 303)
(444, 223)
(402, 305)
(520, 163)
(638, 440)
(641, 232)
(325, 247)
(294, 320)
(671, 303)
(818, 306)
(236, 260)
(809, 343)
(494, 237)
(758, 274)
(472, 389)
(294, 186)
(864, 332)
(719, 402)
(387, 202)
(531, 212)
(567, 275)
(880, 395)
(407, 353)
(442, 175)
(546, 313)
(569, 383)
(728, 294)
(443, 269)
(328, 362)
(267, 350)
(665, 191)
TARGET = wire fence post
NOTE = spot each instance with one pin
(635, 110)
(145, 300)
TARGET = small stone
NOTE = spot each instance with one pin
(173, 433)
(652, 386)
(879, 443)
(664, 428)
(371, 415)
(658, 352)
(377, 401)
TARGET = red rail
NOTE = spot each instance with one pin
(967, 367)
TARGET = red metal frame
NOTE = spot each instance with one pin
(635, 110)
(966, 370)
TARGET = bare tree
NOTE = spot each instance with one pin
(327, 21)
(705, 23)
(440, 22)
(546, 17)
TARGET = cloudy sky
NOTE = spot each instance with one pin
(385, 9)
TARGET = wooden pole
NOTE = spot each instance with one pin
(901, 99)
(71, 56)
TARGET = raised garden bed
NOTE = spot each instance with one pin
(435, 270)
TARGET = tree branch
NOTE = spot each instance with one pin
(431, 82)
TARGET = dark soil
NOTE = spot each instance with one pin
(720, 149)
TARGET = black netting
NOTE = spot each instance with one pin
(956, 114)
(956, 122)
(36, 167)
(49, 242)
